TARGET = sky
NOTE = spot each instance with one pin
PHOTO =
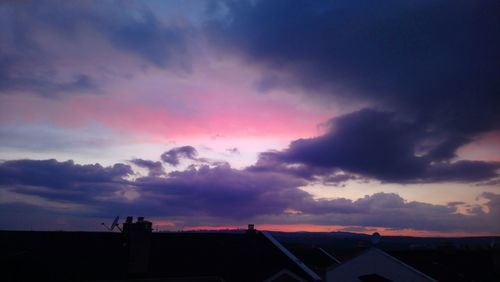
(356, 116)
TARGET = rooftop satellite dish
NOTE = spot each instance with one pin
(115, 222)
(375, 238)
(113, 225)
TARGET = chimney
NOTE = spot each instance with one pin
(138, 242)
(251, 229)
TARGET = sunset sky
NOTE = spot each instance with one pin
(341, 115)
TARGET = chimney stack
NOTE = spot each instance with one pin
(138, 241)
(251, 229)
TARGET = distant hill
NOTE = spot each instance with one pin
(348, 239)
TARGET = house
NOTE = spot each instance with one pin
(375, 265)
(138, 254)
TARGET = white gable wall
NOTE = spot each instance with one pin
(375, 261)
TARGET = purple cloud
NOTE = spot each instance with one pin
(154, 168)
(59, 175)
(221, 193)
(65, 182)
(379, 145)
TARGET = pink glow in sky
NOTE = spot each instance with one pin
(213, 117)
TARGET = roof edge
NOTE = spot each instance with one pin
(291, 256)
(403, 264)
(374, 249)
(329, 255)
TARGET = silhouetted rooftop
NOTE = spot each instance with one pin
(71, 256)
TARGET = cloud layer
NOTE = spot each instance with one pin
(221, 194)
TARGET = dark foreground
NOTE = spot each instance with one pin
(87, 256)
(445, 259)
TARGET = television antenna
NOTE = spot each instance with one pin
(113, 225)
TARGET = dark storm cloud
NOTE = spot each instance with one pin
(434, 63)
(174, 155)
(378, 145)
(216, 192)
(433, 57)
(30, 63)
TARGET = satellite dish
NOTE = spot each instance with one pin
(115, 222)
(113, 225)
(375, 238)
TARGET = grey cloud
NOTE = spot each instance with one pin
(26, 64)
